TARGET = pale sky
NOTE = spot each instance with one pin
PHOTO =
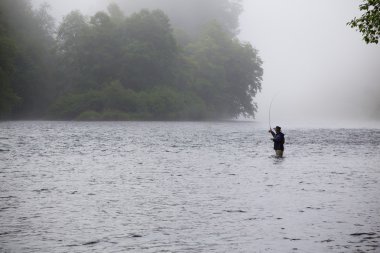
(320, 68)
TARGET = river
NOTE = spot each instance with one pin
(187, 187)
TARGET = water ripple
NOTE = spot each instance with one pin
(186, 187)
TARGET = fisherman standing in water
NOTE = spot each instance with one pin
(279, 140)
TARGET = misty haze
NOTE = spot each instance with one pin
(189, 126)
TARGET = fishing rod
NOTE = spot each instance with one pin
(270, 108)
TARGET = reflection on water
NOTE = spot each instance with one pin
(186, 187)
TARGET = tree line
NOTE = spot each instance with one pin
(113, 66)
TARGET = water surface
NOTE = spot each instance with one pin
(186, 187)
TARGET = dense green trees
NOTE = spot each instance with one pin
(7, 57)
(27, 59)
(227, 73)
(113, 66)
(191, 16)
(114, 101)
(369, 23)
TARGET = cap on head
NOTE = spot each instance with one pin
(277, 128)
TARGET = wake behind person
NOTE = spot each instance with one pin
(278, 140)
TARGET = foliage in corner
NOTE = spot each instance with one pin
(369, 23)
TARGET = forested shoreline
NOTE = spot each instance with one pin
(113, 66)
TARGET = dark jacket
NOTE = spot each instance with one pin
(279, 140)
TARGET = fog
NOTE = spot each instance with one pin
(319, 69)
